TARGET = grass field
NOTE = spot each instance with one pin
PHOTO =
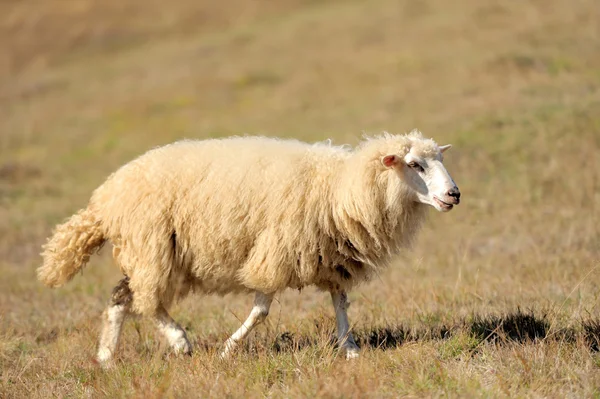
(499, 297)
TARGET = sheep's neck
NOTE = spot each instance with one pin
(375, 212)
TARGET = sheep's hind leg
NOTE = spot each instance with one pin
(260, 311)
(175, 335)
(114, 316)
(345, 338)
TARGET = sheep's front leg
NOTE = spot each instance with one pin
(345, 338)
(260, 311)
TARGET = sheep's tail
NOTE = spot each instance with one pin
(70, 248)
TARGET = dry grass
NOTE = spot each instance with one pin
(499, 297)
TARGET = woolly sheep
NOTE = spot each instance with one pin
(251, 214)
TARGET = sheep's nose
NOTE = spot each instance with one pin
(454, 192)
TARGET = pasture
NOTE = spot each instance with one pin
(498, 298)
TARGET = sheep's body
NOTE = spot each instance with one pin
(244, 214)
(225, 216)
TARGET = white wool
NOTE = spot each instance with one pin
(245, 214)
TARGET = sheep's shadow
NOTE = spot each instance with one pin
(381, 338)
(515, 326)
(499, 329)
(521, 327)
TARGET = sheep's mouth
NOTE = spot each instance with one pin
(443, 205)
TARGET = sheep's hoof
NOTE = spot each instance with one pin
(177, 351)
(230, 346)
(105, 364)
(175, 354)
(104, 358)
(108, 365)
(226, 353)
(183, 348)
(352, 353)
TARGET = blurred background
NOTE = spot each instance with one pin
(86, 85)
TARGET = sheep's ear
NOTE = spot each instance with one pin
(389, 161)
(445, 147)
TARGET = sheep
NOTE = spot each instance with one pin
(251, 214)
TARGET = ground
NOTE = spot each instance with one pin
(498, 298)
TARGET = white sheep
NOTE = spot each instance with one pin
(251, 214)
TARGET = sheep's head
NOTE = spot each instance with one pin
(420, 167)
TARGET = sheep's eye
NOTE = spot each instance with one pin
(416, 166)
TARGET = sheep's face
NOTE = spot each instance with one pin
(427, 177)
